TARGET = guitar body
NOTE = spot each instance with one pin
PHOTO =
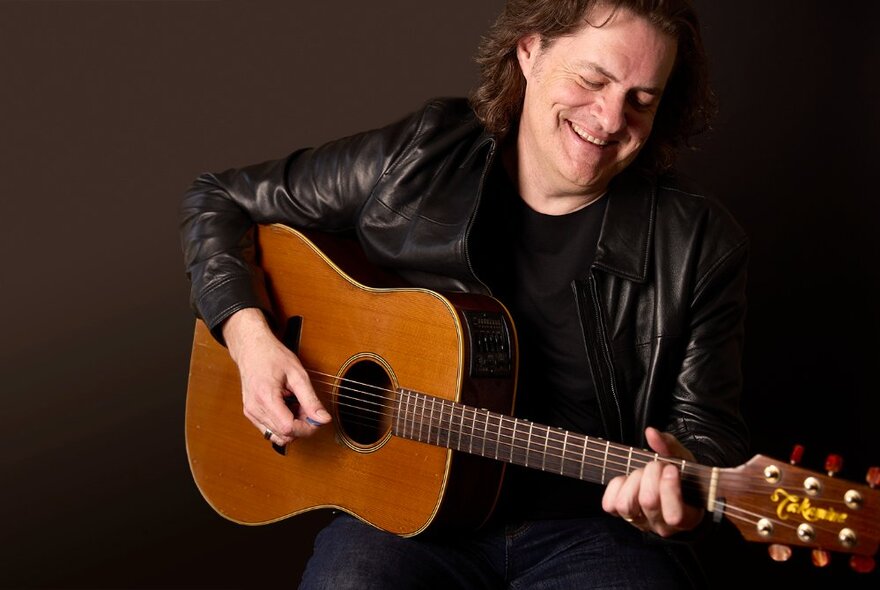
(341, 329)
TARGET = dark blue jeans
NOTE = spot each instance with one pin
(599, 552)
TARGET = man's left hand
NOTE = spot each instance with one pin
(650, 498)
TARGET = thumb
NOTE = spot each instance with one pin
(665, 444)
(312, 410)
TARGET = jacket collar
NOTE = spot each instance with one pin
(628, 228)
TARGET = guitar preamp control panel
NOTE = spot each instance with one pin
(491, 350)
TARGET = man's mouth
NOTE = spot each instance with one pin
(582, 133)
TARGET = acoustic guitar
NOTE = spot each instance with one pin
(421, 388)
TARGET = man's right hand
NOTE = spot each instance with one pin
(270, 372)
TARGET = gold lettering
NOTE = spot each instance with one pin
(790, 504)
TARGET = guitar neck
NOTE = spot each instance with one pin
(517, 441)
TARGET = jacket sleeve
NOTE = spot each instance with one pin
(321, 188)
(706, 407)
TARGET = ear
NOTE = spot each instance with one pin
(527, 49)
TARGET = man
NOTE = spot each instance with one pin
(548, 191)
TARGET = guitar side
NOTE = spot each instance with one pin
(414, 337)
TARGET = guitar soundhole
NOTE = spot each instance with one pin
(364, 403)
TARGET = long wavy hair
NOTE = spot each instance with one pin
(688, 102)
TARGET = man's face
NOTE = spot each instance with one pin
(590, 102)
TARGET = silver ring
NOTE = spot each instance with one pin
(267, 434)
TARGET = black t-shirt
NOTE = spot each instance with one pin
(530, 261)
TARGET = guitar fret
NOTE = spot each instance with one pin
(554, 437)
(513, 441)
(629, 457)
(471, 440)
(584, 456)
(431, 419)
(424, 401)
(443, 429)
(406, 430)
(605, 460)
(461, 424)
(529, 443)
(417, 418)
(485, 432)
(412, 424)
(395, 429)
(562, 461)
(544, 450)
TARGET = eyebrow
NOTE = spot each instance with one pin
(653, 90)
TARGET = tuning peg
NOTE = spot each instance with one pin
(779, 552)
(833, 464)
(821, 558)
(873, 477)
(864, 564)
(797, 454)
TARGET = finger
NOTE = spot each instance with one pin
(666, 444)
(676, 513)
(649, 499)
(310, 410)
(274, 438)
(658, 442)
(609, 498)
(627, 501)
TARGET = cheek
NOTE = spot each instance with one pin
(641, 125)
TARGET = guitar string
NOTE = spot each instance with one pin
(648, 456)
(390, 414)
(731, 511)
(597, 458)
(630, 454)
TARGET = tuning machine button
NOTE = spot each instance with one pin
(779, 552)
(863, 564)
(820, 557)
(833, 464)
(797, 453)
(873, 477)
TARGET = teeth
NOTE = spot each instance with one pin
(584, 135)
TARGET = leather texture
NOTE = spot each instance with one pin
(662, 311)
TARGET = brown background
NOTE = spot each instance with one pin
(109, 109)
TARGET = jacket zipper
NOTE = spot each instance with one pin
(592, 324)
(473, 216)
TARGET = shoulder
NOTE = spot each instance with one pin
(446, 117)
(445, 129)
(685, 209)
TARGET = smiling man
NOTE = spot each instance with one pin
(551, 190)
(589, 105)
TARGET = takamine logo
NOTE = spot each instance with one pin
(791, 505)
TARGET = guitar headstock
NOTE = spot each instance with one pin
(771, 501)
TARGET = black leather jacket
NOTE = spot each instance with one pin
(662, 310)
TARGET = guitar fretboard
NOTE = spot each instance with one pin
(517, 441)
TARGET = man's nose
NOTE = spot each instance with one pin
(610, 113)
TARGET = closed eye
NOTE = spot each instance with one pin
(592, 84)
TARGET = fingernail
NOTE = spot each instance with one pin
(323, 415)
